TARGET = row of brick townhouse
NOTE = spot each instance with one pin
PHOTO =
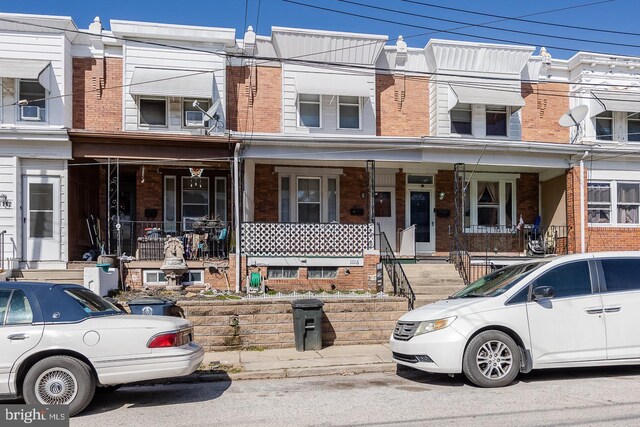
(286, 154)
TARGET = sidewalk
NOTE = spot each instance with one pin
(289, 363)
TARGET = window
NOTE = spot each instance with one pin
(488, 203)
(170, 203)
(322, 272)
(621, 274)
(599, 203)
(221, 198)
(420, 179)
(633, 127)
(604, 126)
(349, 112)
(195, 199)
(153, 112)
(332, 215)
(193, 116)
(282, 273)
(309, 107)
(4, 302)
(491, 203)
(628, 202)
(32, 92)
(284, 199)
(157, 277)
(461, 119)
(19, 310)
(496, 120)
(308, 200)
(90, 302)
(567, 280)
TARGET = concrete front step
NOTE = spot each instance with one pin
(52, 276)
(435, 281)
(440, 290)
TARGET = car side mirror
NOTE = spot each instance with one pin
(543, 292)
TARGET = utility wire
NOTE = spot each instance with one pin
(522, 19)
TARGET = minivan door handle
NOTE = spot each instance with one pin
(18, 337)
(594, 310)
(612, 309)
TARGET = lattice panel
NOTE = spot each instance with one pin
(294, 239)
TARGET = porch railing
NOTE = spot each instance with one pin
(145, 239)
(401, 285)
(303, 239)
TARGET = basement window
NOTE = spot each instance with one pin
(282, 272)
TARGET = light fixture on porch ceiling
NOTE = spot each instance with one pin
(441, 195)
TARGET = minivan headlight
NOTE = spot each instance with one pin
(434, 325)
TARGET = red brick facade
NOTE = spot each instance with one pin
(254, 103)
(402, 105)
(545, 103)
(97, 94)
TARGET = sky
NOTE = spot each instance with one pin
(414, 19)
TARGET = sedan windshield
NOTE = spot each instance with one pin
(92, 303)
(498, 282)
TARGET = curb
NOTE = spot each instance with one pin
(216, 376)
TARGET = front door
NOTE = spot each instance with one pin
(385, 212)
(41, 218)
(569, 327)
(420, 207)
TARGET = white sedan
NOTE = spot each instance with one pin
(58, 343)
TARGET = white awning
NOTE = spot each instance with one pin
(27, 69)
(629, 102)
(332, 84)
(178, 83)
(485, 93)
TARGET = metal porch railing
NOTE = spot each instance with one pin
(401, 285)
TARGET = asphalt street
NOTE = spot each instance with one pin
(560, 397)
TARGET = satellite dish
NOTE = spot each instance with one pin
(211, 111)
(574, 116)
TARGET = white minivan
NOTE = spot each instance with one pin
(574, 310)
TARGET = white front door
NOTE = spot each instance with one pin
(41, 218)
(420, 213)
(18, 333)
(385, 212)
(569, 327)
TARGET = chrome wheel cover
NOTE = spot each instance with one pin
(56, 386)
(494, 360)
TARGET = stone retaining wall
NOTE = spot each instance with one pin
(227, 325)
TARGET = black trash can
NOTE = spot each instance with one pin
(307, 323)
(152, 306)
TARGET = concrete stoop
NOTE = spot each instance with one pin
(433, 281)
(71, 276)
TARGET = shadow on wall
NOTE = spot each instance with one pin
(328, 332)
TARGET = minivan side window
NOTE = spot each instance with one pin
(19, 312)
(621, 274)
(4, 302)
(567, 280)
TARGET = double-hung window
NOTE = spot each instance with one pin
(34, 94)
(461, 119)
(633, 127)
(309, 111)
(348, 112)
(497, 119)
(491, 203)
(153, 111)
(604, 126)
(599, 202)
(195, 199)
(308, 199)
(613, 202)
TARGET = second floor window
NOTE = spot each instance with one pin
(153, 112)
(34, 109)
(349, 112)
(633, 126)
(309, 111)
(604, 126)
(193, 116)
(461, 119)
(497, 120)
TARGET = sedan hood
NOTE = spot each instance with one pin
(441, 309)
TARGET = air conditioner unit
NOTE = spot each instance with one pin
(194, 118)
(31, 112)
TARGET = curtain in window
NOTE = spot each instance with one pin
(488, 204)
(628, 203)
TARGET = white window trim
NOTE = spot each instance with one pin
(359, 104)
(507, 134)
(322, 191)
(323, 269)
(296, 277)
(182, 203)
(502, 213)
(462, 135)
(146, 281)
(16, 92)
(324, 175)
(319, 102)
(166, 112)
(613, 127)
(613, 219)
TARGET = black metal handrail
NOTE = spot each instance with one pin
(401, 285)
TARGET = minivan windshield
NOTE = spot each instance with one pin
(499, 281)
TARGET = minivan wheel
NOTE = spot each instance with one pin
(492, 359)
(59, 380)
